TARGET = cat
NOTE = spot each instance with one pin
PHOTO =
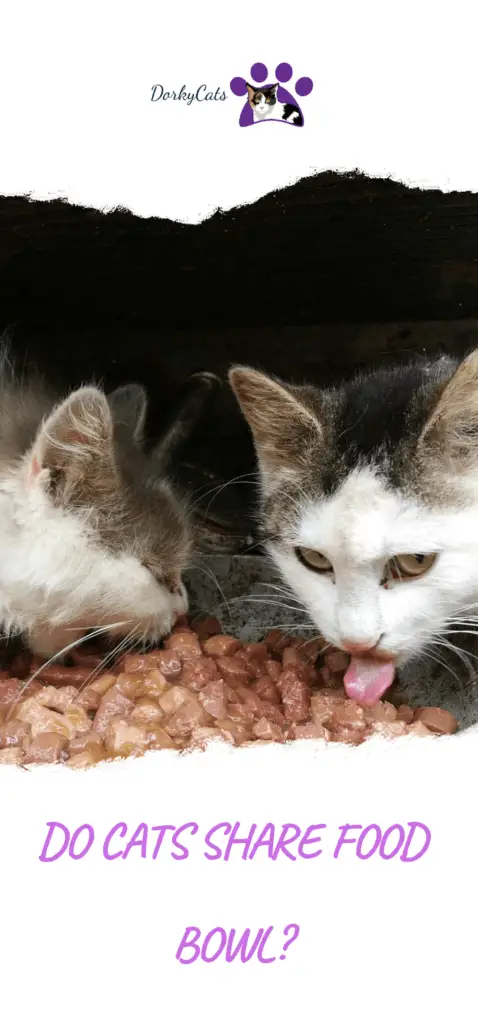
(369, 507)
(92, 533)
(265, 105)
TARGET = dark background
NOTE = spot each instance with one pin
(330, 274)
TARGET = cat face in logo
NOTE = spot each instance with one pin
(262, 100)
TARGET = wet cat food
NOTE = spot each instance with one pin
(201, 685)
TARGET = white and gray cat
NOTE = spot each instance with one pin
(92, 536)
(265, 105)
(369, 501)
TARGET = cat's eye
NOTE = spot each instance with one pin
(411, 565)
(314, 560)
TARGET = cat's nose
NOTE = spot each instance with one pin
(358, 646)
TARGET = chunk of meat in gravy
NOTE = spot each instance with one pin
(213, 699)
(405, 714)
(86, 758)
(437, 720)
(171, 699)
(206, 734)
(344, 734)
(46, 748)
(83, 658)
(350, 715)
(381, 712)
(142, 662)
(170, 664)
(89, 697)
(124, 738)
(273, 714)
(57, 698)
(78, 718)
(41, 719)
(61, 675)
(198, 672)
(265, 730)
(294, 694)
(131, 683)
(152, 685)
(239, 713)
(221, 646)
(159, 739)
(253, 667)
(190, 715)
(193, 690)
(14, 733)
(311, 731)
(84, 740)
(292, 659)
(11, 755)
(147, 711)
(114, 702)
(12, 691)
(167, 662)
(232, 671)
(389, 730)
(267, 690)
(337, 661)
(186, 645)
(253, 657)
(250, 698)
(273, 669)
(234, 732)
(276, 642)
(206, 626)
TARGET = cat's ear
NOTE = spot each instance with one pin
(73, 452)
(452, 427)
(274, 89)
(284, 430)
(128, 405)
(250, 90)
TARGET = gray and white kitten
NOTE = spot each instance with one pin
(91, 533)
(369, 498)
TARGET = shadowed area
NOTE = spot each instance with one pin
(352, 271)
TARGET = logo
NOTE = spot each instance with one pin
(271, 102)
(200, 95)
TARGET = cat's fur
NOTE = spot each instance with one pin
(91, 533)
(385, 464)
(266, 106)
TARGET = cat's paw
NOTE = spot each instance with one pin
(258, 77)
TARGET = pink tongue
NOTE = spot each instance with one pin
(366, 680)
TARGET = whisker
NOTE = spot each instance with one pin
(443, 664)
(111, 656)
(260, 543)
(208, 572)
(267, 601)
(215, 491)
(59, 654)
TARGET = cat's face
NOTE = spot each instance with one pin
(99, 538)
(262, 100)
(370, 501)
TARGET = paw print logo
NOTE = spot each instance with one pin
(270, 101)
